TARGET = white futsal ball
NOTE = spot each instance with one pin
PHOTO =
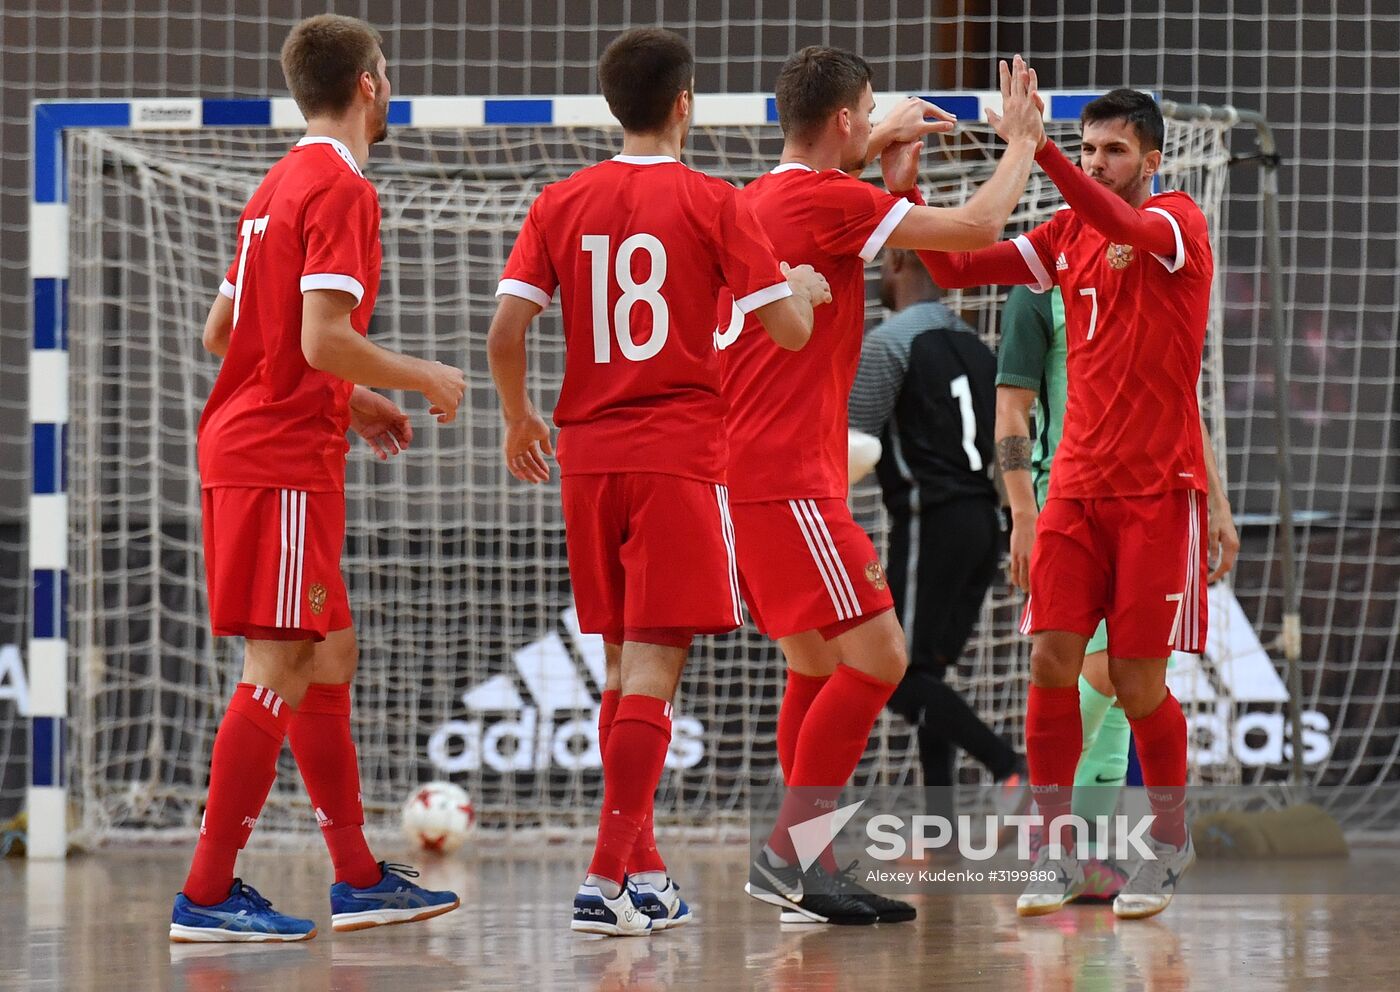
(438, 817)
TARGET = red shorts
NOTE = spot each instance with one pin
(272, 563)
(805, 564)
(1139, 562)
(651, 557)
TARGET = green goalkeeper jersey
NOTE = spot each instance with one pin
(1032, 356)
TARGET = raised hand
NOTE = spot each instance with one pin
(443, 386)
(899, 163)
(909, 120)
(1022, 110)
(377, 419)
(527, 442)
(807, 282)
(912, 118)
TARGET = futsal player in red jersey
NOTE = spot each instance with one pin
(638, 248)
(289, 323)
(1124, 533)
(810, 575)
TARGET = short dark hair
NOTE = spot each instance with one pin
(641, 74)
(1137, 108)
(815, 83)
(322, 59)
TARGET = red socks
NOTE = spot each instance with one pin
(798, 697)
(325, 753)
(632, 761)
(241, 772)
(830, 741)
(1161, 748)
(607, 712)
(645, 856)
(1054, 739)
(837, 727)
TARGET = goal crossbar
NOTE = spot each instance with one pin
(48, 660)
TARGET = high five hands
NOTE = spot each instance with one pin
(1022, 115)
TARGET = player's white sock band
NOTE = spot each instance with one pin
(609, 888)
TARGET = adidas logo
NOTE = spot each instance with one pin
(1060, 264)
(322, 820)
(1235, 671)
(543, 713)
(269, 699)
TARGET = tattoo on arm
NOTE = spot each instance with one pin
(1014, 454)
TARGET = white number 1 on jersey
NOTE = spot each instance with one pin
(252, 226)
(633, 292)
(962, 391)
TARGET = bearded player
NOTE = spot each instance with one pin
(639, 247)
(1122, 535)
(290, 323)
(810, 574)
(1031, 376)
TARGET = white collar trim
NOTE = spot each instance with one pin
(643, 159)
(793, 167)
(340, 150)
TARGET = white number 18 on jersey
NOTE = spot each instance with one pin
(633, 292)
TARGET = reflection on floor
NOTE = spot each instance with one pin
(99, 923)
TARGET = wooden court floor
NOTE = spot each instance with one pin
(99, 923)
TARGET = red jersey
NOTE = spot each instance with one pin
(639, 247)
(787, 409)
(1135, 324)
(272, 421)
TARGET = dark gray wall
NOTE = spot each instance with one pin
(1325, 73)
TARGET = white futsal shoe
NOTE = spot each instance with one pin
(1152, 884)
(596, 913)
(1054, 882)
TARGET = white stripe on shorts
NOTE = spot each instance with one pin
(1187, 639)
(282, 562)
(838, 566)
(826, 558)
(289, 568)
(837, 602)
(727, 530)
(301, 555)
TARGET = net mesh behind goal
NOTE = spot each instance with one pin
(472, 667)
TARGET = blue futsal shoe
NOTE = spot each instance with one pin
(393, 899)
(244, 917)
(664, 905)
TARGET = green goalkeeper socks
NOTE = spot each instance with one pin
(1092, 707)
(1103, 765)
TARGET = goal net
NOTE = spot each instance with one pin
(472, 666)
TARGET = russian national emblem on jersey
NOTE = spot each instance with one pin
(317, 595)
(875, 575)
(1119, 256)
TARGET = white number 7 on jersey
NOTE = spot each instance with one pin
(1093, 295)
(633, 292)
(251, 226)
(1180, 600)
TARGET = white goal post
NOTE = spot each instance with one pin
(472, 664)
